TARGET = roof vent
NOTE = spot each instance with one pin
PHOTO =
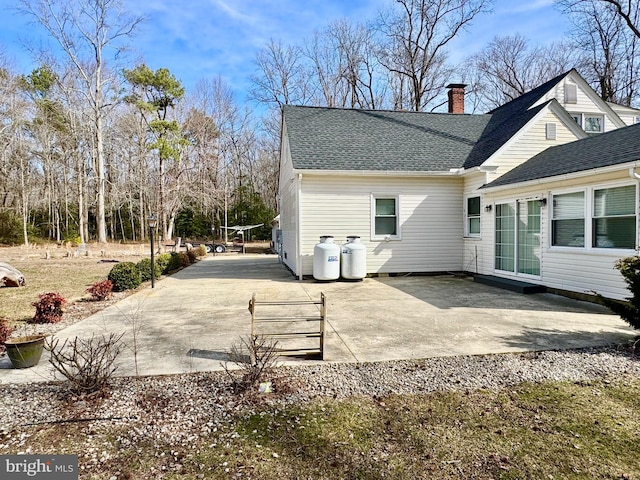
(456, 97)
(570, 93)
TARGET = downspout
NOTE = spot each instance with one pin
(635, 176)
(299, 221)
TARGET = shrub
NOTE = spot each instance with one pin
(629, 311)
(184, 259)
(100, 290)
(5, 332)
(253, 357)
(176, 261)
(49, 308)
(201, 251)
(124, 276)
(163, 261)
(88, 364)
(193, 255)
(144, 266)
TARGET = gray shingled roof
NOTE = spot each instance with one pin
(345, 139)
(342, 139)
(603, 150)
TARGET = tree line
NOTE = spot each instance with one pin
(92, 146)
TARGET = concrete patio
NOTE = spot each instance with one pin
(189, 321)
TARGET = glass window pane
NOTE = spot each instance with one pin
(568, 233)
(473, 206)
(593, 124)
(615, 201)
(568, 205)
(474, 225)
(615, 232)
(385, 225)
(385, 206)
(505, 237)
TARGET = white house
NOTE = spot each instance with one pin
(542, 189)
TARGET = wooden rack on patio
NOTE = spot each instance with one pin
(297, 328)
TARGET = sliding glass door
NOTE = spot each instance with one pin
(517, 239)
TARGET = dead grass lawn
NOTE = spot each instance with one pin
(68, 276)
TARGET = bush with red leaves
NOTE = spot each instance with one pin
(100, 290)
(5, 332)
(49, 308)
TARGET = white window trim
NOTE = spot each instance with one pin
(467, 232)
(379, 238)
(592, 215)
(551, 214)
(593, 115)
(583, 116)
(589, 195)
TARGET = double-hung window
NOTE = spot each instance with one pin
(614, 217)
(606, 217)
(473, 217)
(567, 221)
(385, 222)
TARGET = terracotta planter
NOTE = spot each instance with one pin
(25, 352)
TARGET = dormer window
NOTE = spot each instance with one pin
(589, 123)
(593, 123)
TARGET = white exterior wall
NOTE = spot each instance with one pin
(578, 270)
(528, 143)
(288, 205)
(629, 119)
(477, 252)
(430, 218)
(585, 103)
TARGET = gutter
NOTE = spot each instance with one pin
(566, 176)
(381, 173)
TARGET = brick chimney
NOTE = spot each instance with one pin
(456, 97)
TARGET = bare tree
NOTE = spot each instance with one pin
(610, 50)
(344, 68)
(629, 11)
(84, 29)
(414, 51)
(282, 77)
(509, 67)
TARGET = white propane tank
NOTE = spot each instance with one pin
(326, 259)
(354, 259)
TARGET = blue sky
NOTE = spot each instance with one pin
(200, 39)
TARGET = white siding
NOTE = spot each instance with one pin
(629, 119)
(581, 271)
(477, 252)
(430, 215)
(585, 102)
(528, 143)
(288, 205)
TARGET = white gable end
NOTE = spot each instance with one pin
(583, 104)
(532, 140)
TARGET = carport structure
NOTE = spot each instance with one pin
(192, 318)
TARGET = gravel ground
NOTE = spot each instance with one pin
(168, 412)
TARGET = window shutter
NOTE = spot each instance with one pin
(570, 93)
(551, 131)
